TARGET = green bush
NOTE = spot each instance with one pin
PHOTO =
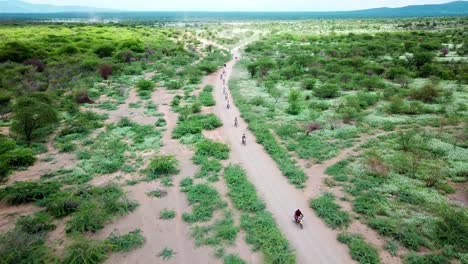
(360, 250)
(34, 126)
(90, 217)
(414, 258)
(35, 224)
(145, 86)
(209, 148)
(20, 247)
(222, 230)
(18, 157)
(24, 192)
(61, 204)
(327, 91)
(162, 166)
(125, 243)
(338, 170)
(262, 232)
(167, 214)
(204, 201)
(105, 50)
(233, 259)
(195, 124)
(326, 208)
(206, 96)
(85, 251)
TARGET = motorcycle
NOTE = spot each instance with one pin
(244, 141)
(300, 220)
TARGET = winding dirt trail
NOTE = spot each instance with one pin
(316, 243)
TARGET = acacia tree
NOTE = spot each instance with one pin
(32, 115)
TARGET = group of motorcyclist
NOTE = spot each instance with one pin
(298, 216)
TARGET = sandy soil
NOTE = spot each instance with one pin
(315, 243)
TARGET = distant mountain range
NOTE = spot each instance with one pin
(19, 9)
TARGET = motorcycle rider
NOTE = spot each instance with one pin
(235, 121)
(244, 139)
(298, 215)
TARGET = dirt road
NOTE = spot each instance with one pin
(316, 243)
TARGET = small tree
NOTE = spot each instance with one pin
(293, 100)
(32, 114)
(105, 70)
(309, 84)
(276, 93)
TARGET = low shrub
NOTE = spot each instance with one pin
(20, 247)
(204, 201)
(212, 149)
(326, 91)
(326, 208)
(206, 96)
(35, 224)
(414, 258)
(167, 214)
(84, 251)
(127, 242)
(61, 204)
(91, 217)
(24, 192)
(241, 191)
(162, 166)
(338, 170)
(145, 86)
(233, 259)
(18, 157)
(195, 124)
(360, 250)
(262, 233)
(222, 230)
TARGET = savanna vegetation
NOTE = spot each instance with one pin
(398, 99)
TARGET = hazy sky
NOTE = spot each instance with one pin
(239, 5)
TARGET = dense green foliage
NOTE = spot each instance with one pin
(259, 224)
(162, 166)
(360, 250)
(326, 208)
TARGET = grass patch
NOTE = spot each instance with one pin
(163, 165)
(17, 246)
(127, 242)
(84, 250)
(157, 193)
(263, 234)
(206, 96)
(38, 223)
(327, 209)
(338, 170)
(204, 201)
(166, 253)
(241, 191)
(360, 250)
(213, 149)
(99, 205)
(25, 191)
(195, 124)
(167, 214)
(233, 259)
(222, 230)
(258, 224)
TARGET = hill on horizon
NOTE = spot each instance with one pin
(19, 9)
